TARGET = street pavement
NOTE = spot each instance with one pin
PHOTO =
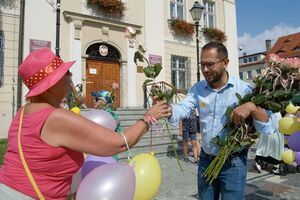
(260, 186)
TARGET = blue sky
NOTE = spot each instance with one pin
(258, 20)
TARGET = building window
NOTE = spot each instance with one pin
(255, 58)
(250, 59)
(245, 60)
(209, 14)
(241, 75)
(258, 71)
(179, 72)
(249, 73)
(176, 9)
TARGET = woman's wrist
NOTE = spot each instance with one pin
(146, 122)
(150, 118)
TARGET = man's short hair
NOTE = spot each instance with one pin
(221, 49)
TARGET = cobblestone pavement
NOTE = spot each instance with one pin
(260, 186)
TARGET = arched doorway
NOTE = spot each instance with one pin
(102, 70)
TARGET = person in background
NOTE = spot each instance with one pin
(46, 142)
(102, 99)
(270, 147)
(189, 130)
(64, 104)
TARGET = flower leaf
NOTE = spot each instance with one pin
(138, 56)
(228, 111)
(157, 68)
(246, 98)
(246, 144)
(141, 49)
(275, 107)
(149, 71)
(279, 93)
(147, 81)
(239, 98)
(258, 100)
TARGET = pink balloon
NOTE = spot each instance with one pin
(297, 158)
(112, 181)
(294, 141)
(91, 162)
(100, 117)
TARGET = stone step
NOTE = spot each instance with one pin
(165, 148)
(156, 130)
(160, 143)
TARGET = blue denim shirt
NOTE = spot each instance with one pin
(212, 105)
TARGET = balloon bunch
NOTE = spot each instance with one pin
(290, 126)
(105, 178)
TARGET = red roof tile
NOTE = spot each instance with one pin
(287, 46)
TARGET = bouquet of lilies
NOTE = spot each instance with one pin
(274, 89)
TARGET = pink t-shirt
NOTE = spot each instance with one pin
(51, 167)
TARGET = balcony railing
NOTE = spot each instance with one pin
(163, 86)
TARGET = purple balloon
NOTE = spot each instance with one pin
(294, 141)
(91, 162)
(297, 158)
(100, 117)
(108, 182)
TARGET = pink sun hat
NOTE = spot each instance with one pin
(41, 70)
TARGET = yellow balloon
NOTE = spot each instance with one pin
(76, 110)
(288, 125)
(291, 109)
(147, 175)
(288, 156)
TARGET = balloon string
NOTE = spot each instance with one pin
(150, 139)
(129, 154)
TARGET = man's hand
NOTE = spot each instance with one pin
(240, 113)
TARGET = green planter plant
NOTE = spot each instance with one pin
(110, 8)
(214, 34)
(3, 147)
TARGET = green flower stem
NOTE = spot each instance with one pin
(174, 149)
(213, 170)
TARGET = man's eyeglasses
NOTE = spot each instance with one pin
(210, 65)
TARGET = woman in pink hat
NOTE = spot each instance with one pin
(45, 142)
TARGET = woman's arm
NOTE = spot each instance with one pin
(66, 129)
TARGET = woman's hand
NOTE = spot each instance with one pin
(160, 110)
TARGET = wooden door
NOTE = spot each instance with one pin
(100, 75)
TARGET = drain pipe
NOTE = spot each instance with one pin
(20, 56)
(57, 48)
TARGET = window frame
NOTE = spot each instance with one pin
(177, 4)
(176, 83)
(207, 13)
(241, 75)
(249, 74)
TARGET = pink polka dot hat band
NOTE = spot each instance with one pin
(35, 78)
(41, 70)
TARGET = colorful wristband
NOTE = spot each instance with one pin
(147, 124)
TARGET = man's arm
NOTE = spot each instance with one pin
(262, 120)
(240, 113)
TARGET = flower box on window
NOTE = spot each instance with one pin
(214, 34)
(182, 28)
(110, 8)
